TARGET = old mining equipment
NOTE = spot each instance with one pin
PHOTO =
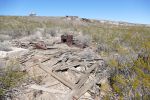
(68, 39)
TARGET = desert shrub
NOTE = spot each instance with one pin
(37, 34)
(102, 47)
(19, 33)
(4, 47)
(87, 54)
(10, 78)
(131, 78)
(84, 40)
(51, 31)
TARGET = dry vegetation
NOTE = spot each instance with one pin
(126, 49)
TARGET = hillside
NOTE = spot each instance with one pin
(121, 49)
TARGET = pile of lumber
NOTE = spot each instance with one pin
(78, 70)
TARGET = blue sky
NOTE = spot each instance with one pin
(136, 11)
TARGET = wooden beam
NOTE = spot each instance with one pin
(56, 76)
(78, 87)
(83, 89)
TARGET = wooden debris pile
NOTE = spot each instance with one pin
(80, 72)
(76, 71)
(33, 45)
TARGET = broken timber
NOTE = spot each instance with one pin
(82, 85)
(58, 77)
(79, 89)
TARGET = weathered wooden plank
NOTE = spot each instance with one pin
(79, 92)
(84, 77)
(78, 87)
(66, 67)
(56, 76)
(83, 89)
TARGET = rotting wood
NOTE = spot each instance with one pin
(79, 92)
(45, 60)
(95, 59)
(23, 61)
(56, 76)
(49, 58)
(81, 86)
(66, 67)
(80, 83)
(68, 62)
(83, 89)
(52, 83)
(51, 47)
(75, 70)
(26, 58)
(84, 77)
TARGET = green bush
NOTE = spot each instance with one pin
(137, 79)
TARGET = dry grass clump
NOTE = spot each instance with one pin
(102, 47)
(10, 77)
(87, 54)
(51, 31)
(84, 40)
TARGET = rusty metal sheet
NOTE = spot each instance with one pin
(40, 45)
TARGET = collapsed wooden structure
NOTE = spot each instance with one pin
(70, 61)
(78, 70)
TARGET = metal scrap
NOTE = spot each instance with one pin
(68, 39)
